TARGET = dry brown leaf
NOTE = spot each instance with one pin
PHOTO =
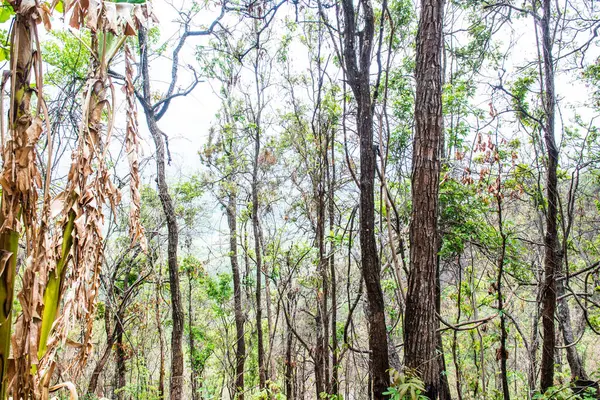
(76, 20)
(45, 13)
(111, 17)
(94, 10)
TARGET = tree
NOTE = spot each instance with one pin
(154, 111)
(357, 62)
(421, 323)
(222, 156)
(552, 256)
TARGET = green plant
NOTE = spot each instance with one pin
(406, 386)
(271, 392)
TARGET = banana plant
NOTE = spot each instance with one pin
(40, 327)
(107, 42)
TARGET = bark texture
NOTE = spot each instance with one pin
(552, 257)
(262, 372)
(421, 323)
(240, 349)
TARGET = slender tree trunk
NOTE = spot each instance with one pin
(421, 323)
(176, 382)
(503, 353)
(120, 367)
(455, 355)
(444, 393)
(321, 316)
(262, 373)
(378, 345)
(192, 344)
(331, 202)
(240, 350)
(289, 358)
(270, 362)
(358, 75)
(552, 257)
(93, 385)
(161, 341)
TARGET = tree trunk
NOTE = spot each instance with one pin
(176, 383)
(321, 320)
(289, 359)
(358, 75)
(332, 275)
(444, 393)
(552, 257)
(240, 350)
(120, 368)
(192, 344)
(159, 323)
(262, 373)
(503, 353)
(421, 323)
(93, 385)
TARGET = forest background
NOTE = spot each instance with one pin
(300, 199)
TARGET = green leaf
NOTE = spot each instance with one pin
(6, 12)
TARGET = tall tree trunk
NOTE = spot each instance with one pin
(552, 257)
(120, 368)
(358, 75)
(192, 343)
(369, 258)
(444, 391)
(262, 373)
(93, 384)
(159, 323)
(332, 274)
(176, 382)
(289, 358)
(240, 350)
(503, 353)
(321, 316)
(421, 323)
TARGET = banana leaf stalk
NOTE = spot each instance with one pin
(54, 286)
(9, 244)
(18, 178)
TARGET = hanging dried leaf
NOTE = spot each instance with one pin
(136, 230)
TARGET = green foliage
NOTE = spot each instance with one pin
(189, 190)
(561, 392)
(406, 386)
(591, 75)
(4, 45)
(205, 347)
(520, 89)
(271, 392)
(462, 217)
(6, 12)
(219, 289)
(68, 56)
(192, 266)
